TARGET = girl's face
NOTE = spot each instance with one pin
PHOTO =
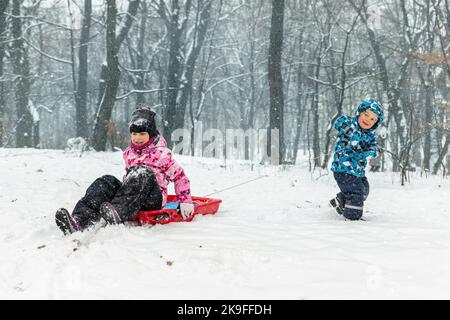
(367, 119)
(139, 138)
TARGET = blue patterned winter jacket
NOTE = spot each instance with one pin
(354, 144)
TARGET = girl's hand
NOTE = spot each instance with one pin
(186, 210)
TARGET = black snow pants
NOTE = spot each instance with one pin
(139, 191)
(354, 191)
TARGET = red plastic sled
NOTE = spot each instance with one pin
(203, 206)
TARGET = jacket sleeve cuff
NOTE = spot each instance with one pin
(370, 153)
(185, 199)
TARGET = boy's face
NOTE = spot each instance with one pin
(139, 138)
(367, 119)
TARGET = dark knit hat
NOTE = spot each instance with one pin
(143, 120)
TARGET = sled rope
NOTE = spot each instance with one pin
(236, 185)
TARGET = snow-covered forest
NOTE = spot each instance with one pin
(78, 68)
(220, 74)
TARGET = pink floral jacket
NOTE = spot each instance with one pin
(155, 155)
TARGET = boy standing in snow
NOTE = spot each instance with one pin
(355, 141)
(149, 166)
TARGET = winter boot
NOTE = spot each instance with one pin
(335, 203)
(66, 222)
(352, 212)
(109, 213)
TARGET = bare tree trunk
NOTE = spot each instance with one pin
(444, 17)
(428, 87)
(315, 110)
(140, 82)
(110, 79)
(175, 31)
(21, 68)
(3, 7)
(110, 73)
(36, 134)
(252, 65)
(202, 22)
(72, 52)
(405, 154)
(203, 79)
(275, 76)
(308, 135)
(442, 154)
(298, 99)
(298, 126)
(81, 91)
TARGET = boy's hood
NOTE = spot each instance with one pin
(372, 105)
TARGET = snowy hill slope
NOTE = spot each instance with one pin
(273, 238)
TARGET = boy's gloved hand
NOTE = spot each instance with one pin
(186, 210)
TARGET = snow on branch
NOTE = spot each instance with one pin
(42, 20)
(46, 54)
(137, 91)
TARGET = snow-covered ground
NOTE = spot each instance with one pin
(273, 238)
